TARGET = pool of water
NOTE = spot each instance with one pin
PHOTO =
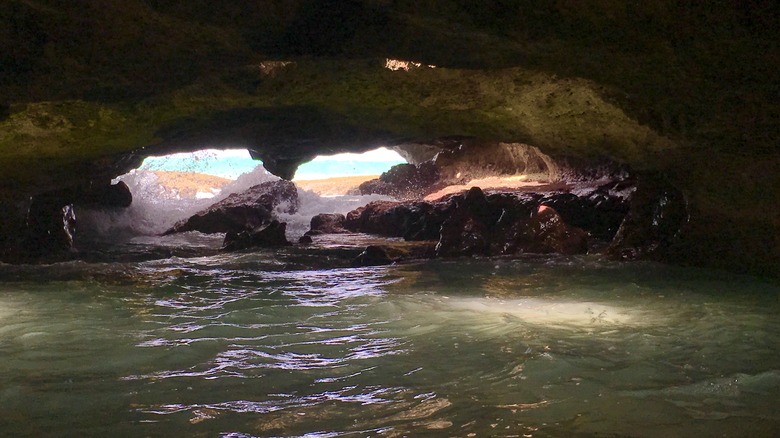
(298, 343)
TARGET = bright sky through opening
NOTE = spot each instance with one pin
(232, 163)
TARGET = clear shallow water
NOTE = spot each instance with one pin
(296, 344)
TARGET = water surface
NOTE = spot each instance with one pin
(300, 344)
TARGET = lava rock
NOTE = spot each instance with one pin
(50, 227)
(411, 220)
(269, 236)
(599, 212)
(327, 223)
(546, 232)
(372, 256)
(305, 240)
(243, 211)
(656, 217)
(404, 181)
(378, 217)
(504, 227)
(476, 224)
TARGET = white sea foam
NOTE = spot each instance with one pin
(156, 208)
(312, 204)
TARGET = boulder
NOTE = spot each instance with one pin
(50, 226)
(405, 181)
(546, 232)
(411, 220)
(600, 211)
(502, 225)
(654, 221)
(245, 211)
(497, 224)
(269, 236)
(327, 223)
(372, 256)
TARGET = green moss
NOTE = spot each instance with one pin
(561, 116)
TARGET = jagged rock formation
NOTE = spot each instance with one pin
(245, 211)
(271, 235)
(686, 90)
(516, 223)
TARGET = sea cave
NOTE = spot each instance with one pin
(539, 219)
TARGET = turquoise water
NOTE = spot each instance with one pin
(232, 164)
(297, 343)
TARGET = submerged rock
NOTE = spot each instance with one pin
(269, 236)
(243, 211)
(372, 256)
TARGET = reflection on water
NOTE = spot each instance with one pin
(258, 345)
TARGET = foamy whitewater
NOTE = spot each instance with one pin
(156, 209)
(145, 335)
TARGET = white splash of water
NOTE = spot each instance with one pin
(312, 204)
(157, 208)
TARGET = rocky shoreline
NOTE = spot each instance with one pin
(626, 218)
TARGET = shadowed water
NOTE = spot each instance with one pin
(261, 344)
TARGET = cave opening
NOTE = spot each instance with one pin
(168, 189)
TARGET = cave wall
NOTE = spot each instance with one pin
(690, 90)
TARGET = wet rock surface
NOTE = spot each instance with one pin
(405, 181)
(654, 223)
(243, 211)
(416, 220)
(268, 236)
(327, 223)
(488, 225)
(506, 226)
(372, 256)
(51, 225)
